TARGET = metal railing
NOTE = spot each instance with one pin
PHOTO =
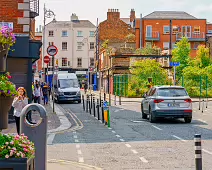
(155, 35)
(191, 35)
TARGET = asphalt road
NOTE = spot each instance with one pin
(133, 143)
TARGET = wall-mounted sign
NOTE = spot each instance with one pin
(7, 24)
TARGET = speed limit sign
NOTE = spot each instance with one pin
(52, 50)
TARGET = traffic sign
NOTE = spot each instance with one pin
(174, 64)
(52, 50)
(46, 59)
(105, 104)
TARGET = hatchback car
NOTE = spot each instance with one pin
(167, 101)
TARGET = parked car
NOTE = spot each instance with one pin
(167, 101)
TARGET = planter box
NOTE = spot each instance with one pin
(17, 164)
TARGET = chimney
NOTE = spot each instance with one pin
(132, 15)
(113, 14)
(74, 17)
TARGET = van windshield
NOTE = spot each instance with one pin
(67, 83)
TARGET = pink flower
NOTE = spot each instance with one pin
(14, 148)
(12, 142)
(7, 143)
(11, 153)
(7, 156)
(25, 150)
(18, 154)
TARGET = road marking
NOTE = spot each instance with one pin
(79, 152)
(50, 139)
(179, 138)
(138, 121)
(75, 136)
(119, 110)
(206, 151)
(77, 146)
(128, 145)
(134, 151)
(118, 136)
(143, 160)
(109, 128)
(156, 127)
(113, 131)
(122, 140)
(76, 140)
(74, 132)
(202, 120)
(81, 159)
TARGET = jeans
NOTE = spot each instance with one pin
(45, 99)
(37, 99)
(17, 121)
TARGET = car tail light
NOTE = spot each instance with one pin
(187, 111)
(158, 100)
(188, 100)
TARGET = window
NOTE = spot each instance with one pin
(64, 34)
(148, 31)
(166, 29)
(175, 29)
(51, 43)
(166, 45)
(149, 44)
(79, 62)
(174, 45)
(51, 33)
(79, 34)
(91, 62)
(91, 45)
(64, 61)
(210, 31)
(197, 30)
(171, 92)
(64, 46)
(196, 44)
(79, 45)
(91, 33)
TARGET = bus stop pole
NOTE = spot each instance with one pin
(53, 69)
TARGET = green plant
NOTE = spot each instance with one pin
(16, 146)
(6, 36)
(7, 88)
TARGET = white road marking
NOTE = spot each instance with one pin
(76, 140)
(122, 140)
(202, 120)
(143, 160)
(128, 145)
(179, 138)
(79, 152)
(75, 136)
(118, 136)
(119, 110)
(206, 151)
(109, 128)
(77, 146)
(138, 121)
(113, 131)
(134, 151)
(74, 132)
(81, 159)
(50, 139)
(156, 127)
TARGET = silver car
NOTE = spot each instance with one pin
(167, 101)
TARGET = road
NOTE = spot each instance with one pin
(131, 143)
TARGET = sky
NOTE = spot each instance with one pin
(93, 9)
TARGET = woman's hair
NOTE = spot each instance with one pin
(24, 90)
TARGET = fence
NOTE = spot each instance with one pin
(120, 85)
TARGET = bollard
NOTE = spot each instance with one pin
(115, 100)
(108, 118)
(94, 108)
(119, 100)
(203, 101)
(97, 106)
(104, 96)
(91, 101)
(103, 119)
(89, 105)
(36, 133)
(87, 100)
(198, 152)
(83, 102)
(100, 99)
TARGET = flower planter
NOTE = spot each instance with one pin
(3, 57)
(5, 105)
(17, 164)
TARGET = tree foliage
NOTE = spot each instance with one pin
(148, 51)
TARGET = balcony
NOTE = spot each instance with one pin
(152, 36)
(34, 8)
(191, 36)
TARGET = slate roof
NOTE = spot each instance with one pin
(76, 24)
(169, 15)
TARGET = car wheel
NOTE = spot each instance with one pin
(144, 116)
(188, 119)
(152, 118)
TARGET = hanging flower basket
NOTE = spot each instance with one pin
(7, 93)
(7, 39)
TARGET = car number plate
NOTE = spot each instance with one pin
(173, 105)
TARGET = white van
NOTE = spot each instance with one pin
(67, 87)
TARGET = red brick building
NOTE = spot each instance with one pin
(154, 29)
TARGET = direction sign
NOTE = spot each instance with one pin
(46, 59)
(52, 50)
(174, 64)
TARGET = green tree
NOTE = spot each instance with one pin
(181, 54)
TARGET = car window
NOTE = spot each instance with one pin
(149, 92)
(153, 92)
(171, 92)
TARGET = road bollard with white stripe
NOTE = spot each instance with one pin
(198, 152)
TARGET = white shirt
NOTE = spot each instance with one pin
(19, 105)
(37, 91)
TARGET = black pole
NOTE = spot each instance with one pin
(203, 101)
(98, 109)
(100, 98)
(87, 100)
(83, 102)
(119, 100)
(104, 96)
(94, 108)
(103, 119)
(198, 152)
(90, 101)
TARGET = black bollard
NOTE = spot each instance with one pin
(104, 96)
(83, 102)
(90, 101)
(103, 119)
(97, 106)
(119, 100)
(198, 152)
(87, 101)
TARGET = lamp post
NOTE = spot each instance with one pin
(47, 14)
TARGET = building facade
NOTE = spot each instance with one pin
(75, 42)
(164, 28)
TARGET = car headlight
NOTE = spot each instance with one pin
(78, 93)
(61, 94)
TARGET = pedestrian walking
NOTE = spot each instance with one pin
(37, 93)
(45, 91)
(19, 102)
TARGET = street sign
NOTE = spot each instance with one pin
(174, 64)
(46, 59)
(105, 104)
(52, 50)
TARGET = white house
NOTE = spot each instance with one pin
(75, 42)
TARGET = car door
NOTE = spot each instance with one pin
(146, 101)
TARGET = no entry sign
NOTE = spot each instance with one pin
(46, 59)
(52, 50)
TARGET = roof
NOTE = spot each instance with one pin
(126, 20)
(76, 24)
(169, 15)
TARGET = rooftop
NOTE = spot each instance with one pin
(76, 24)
